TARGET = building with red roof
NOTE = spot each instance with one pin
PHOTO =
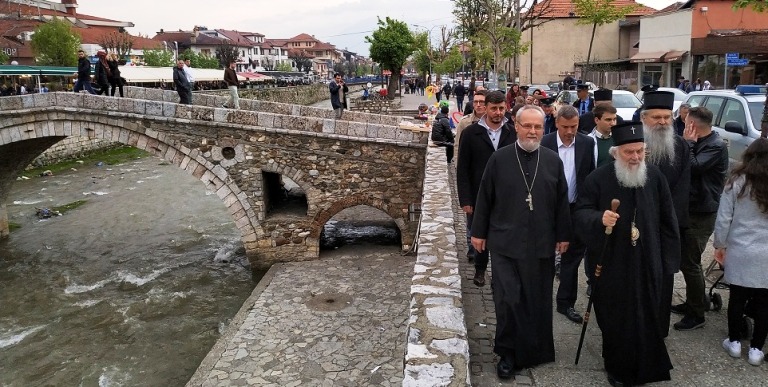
(559, 46)
(20, 18)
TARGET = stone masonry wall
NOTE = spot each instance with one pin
(338, 164)
(71, 148)
(438, 350)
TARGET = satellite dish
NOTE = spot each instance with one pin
(15, 63)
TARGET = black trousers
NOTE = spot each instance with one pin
(758, 310)
(481, 259)
(569, 272)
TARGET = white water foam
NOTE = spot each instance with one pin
(13, 339)
(153, 177)
(97, 193)
(87, 303)
(27, 202)
(77, 289)
(139, 281)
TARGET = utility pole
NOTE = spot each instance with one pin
(517, 53)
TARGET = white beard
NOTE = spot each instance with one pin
(528, 145)
(660, 144)
(631, 177)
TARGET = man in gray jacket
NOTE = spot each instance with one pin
(709, 165)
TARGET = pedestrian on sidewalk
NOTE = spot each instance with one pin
(338, 90)
(442, 135)
(459, 91)
(230, 78)
(709, 167)
(478, 142)
(741, 230)
(522, 218)
(642, 250)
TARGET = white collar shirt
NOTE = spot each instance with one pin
(567, 154)
(493, 135)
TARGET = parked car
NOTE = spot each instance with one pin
(679, 96)
(545, 89)
(624, 101)
(736, 116)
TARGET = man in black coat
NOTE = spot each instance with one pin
(522, 218)
(459, 91)
(577, 151)
(478, 142)
(587, 120)
(181, 82)
(671, 154)
(83, 73)
(549, 115)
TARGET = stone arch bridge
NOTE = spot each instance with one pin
(362, 159)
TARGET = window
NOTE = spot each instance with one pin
(696, 100)
(734, 111)
(714, 104)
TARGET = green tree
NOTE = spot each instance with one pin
(227, 53)
(757, 5)
(55, 44)
(4, 58)
(200, 61)
(391, 45)
(302, 59)
(451, 63)
(598, 13)
(283, 66)
(158, 58)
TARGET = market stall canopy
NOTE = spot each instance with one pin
(254, 76)
(139, 74)
(37, 70)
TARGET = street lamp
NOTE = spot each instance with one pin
(429, 38)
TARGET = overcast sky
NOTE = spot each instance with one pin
(344, 23)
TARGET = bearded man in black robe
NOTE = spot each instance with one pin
(671, 154)
(522, 217)
(643, 249)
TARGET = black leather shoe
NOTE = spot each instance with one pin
(689, 323)
(504, 369)
(680, 308)
(479, 279)
(571, 314)
(615, 383)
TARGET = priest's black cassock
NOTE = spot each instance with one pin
(522, 244)
(628, 296)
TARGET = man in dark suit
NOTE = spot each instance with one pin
(584, 103)
(587, 120)
(577, 151)
(478, 142)
(549, 114)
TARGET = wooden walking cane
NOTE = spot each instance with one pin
(598, 269)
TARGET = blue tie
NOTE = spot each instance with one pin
(583, 107)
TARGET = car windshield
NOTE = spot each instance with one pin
(542, 87)
(625, 101)
(756, 111)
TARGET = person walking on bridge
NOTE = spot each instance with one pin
(181, 82)
(230, 77)
(83, 73)
(339, 91)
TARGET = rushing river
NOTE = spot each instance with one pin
(130, 289)
(134, 287)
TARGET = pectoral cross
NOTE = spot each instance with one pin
(529, 200)
(633, 130)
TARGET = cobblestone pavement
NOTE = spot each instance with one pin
(337, 321)
(697, 356)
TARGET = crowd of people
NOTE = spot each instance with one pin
(537, 186)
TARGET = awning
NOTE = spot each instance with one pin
(647, 57)
(37, 70)
(249, 76)
(673, 56)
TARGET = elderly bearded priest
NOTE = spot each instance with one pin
(643, 248)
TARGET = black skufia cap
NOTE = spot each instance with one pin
(627, 132)
(547, 101)
(603, 95)
(659, 100)
(524, 87)
(648, 88)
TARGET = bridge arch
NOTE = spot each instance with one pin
(324, 215)
(32, 139)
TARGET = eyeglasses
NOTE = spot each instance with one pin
(532, 126)
(479, 101)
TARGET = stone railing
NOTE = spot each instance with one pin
(378, 105)
(283, 121)
(216, 101)
(438, 350)
(299, 95)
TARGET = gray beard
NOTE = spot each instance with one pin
(660, 144)
(528, 145)
(631, 178)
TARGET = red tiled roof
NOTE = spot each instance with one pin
(237, 38)
(92, 35)
(303, 37)
(275, 42)
(671, 8)
(566, 8)
(14, 8)
(185, 38)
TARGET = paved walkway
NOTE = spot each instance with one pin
(337, 321)
(697, 356)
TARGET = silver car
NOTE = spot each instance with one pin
(735, 116)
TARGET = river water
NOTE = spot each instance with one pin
(134, 287)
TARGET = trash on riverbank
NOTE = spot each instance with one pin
(45, 213)
(22, 178)
(47, 172)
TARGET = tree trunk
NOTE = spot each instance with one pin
(394, 81)
(589, 53)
